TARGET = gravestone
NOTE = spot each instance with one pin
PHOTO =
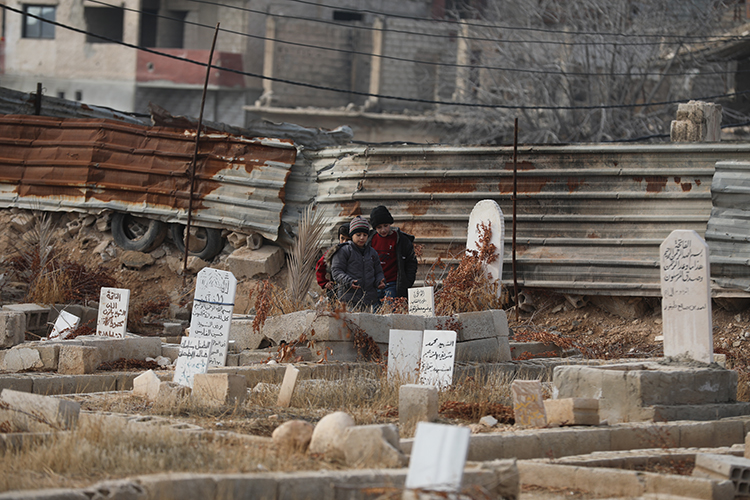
(438, 357)
(528, 404)
(438, 457)
(192, 358)
(212, 311)
(686, 296)
(113, 312)
(404, 350)
(287, 386)
(65, 324)
(422, 301)
(489, 213)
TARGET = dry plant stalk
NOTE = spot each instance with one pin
(468, 286)
(303, 256)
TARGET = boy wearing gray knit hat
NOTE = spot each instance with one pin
(356, 268)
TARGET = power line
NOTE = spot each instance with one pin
(379, 96)
(418, 61)
(457, 35)
(506, 27)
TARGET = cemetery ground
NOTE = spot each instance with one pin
(184, 435)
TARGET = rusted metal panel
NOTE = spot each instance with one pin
(728, 232)
(590, 217)
(92, 165)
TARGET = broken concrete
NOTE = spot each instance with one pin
(78, 360)
(12, 328)
(372, 446)
(417, 403)
(20, 359)
(263, 262)
(147, 385)
(26, 412)
(572, 411)
(219, 388)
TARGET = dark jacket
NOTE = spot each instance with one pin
(406, 261)
(323, 267)
(352, 263)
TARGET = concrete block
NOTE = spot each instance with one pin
(12, 328)
(172, 329)
(76, 360)
(528, 405)
(37, 316)
(477, 325)
(633, 437)
(572, 411)
(88, 315)
(735, 469)
(407, 322)
(528, 350)
(377, 326)
(49, 353)
(170, 351)
(233, 359)
(372, 446)
(247, 263)
(34, 412)
(220, 388)
(20, 359)
(16, 383)
(112, 349)
(241, 332)
(483, 350)
(147, 385)
(417, 403)
(287, 327)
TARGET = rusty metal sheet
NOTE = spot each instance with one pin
(590, 217)
(93, 165)
(728, 232)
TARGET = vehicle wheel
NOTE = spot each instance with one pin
(137, 233)
(205, 242)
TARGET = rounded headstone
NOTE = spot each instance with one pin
(293, 436)
(329, 432)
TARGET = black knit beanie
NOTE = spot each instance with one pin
(380, 215)
(344, 230)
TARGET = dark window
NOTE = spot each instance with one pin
(104, 21)
(148, 28)
(79, 95)
(346, 15)
(61, 95)
(37, 28)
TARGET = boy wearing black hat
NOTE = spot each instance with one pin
(356, 268)
(396, 251)
(323, 267)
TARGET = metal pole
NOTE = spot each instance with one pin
(38, 99)
(515, 195)
(195, 155)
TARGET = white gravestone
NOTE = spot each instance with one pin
(212, 311)
(686, 296)
(65, 324)
(112, 320)
(287, 386)
(489, 213)
(404, 352)
(191, 359)
(422, 301)
(438, 457)
(438, 357)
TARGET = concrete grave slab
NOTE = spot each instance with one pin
(404, 353)
(438, 457)
(287, 387)
(34, 412)
(572, 411)
(20, 359)
(488, 212)
(219, 388)
(212, 311)
(686, 296)
(36, 316)
(422, 301)
(528, 404)
(438, 358)
(735, 469)
(12, 328)
(112, 320)
(78, 360)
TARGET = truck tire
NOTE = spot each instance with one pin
(137, 233)
(205, 242)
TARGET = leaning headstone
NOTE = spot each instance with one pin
(528, 405)
(438, 457)
(404, 349)
(422, 301)
(488, 212)
(113, 312)
(686, 296)
(438, 357)
(287, 386)
(212, 311)
(192, 359)
(65, 324)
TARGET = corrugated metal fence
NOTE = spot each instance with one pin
(590, 217)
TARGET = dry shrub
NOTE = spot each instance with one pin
(141, 311)
(53, 279)
(468, 287)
